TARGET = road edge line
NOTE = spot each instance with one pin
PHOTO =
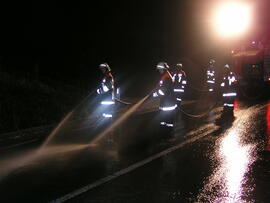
(127, 170)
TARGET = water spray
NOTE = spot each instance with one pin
(64, 120)
(119, 120)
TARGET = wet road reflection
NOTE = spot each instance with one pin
(236, 159)
(198, 156)
(232, 159)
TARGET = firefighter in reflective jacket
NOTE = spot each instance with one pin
(165, 92)
(228, 89)
(106, 91)
(210, 76)
(180, 82)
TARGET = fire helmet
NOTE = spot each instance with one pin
(105, 66)
(162, 66)
(179, 66)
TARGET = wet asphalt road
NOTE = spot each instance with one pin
(202, 160)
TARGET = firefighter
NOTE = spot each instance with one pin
(180, 82)
(228, 90)
(106, 91)
(164, 91)
(210, 76)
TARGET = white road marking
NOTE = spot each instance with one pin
(101, 181)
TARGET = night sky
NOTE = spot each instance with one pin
(68, 39)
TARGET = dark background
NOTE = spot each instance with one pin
(54, 48)
(68, 39)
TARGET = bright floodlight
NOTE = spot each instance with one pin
(232, 19)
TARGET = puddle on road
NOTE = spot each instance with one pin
(232, 159)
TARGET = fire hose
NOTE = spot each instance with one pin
(199, 115)
(123, 102)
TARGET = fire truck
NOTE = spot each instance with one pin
(251, 63)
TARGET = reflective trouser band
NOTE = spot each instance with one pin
(178, 90)
(168, 108)
(233, 94)
(229, 105)
(107, 102)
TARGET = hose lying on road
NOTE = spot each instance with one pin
(123, 102)
(188, 114)
(129, 103)
(199, 115)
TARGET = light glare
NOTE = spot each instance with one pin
(232, 19)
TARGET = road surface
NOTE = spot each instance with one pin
(205, 159)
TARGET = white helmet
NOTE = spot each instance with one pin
(105, 66)
(162, 66)
(227, 66)
(179, 65)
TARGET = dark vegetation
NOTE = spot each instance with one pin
(28, 101)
